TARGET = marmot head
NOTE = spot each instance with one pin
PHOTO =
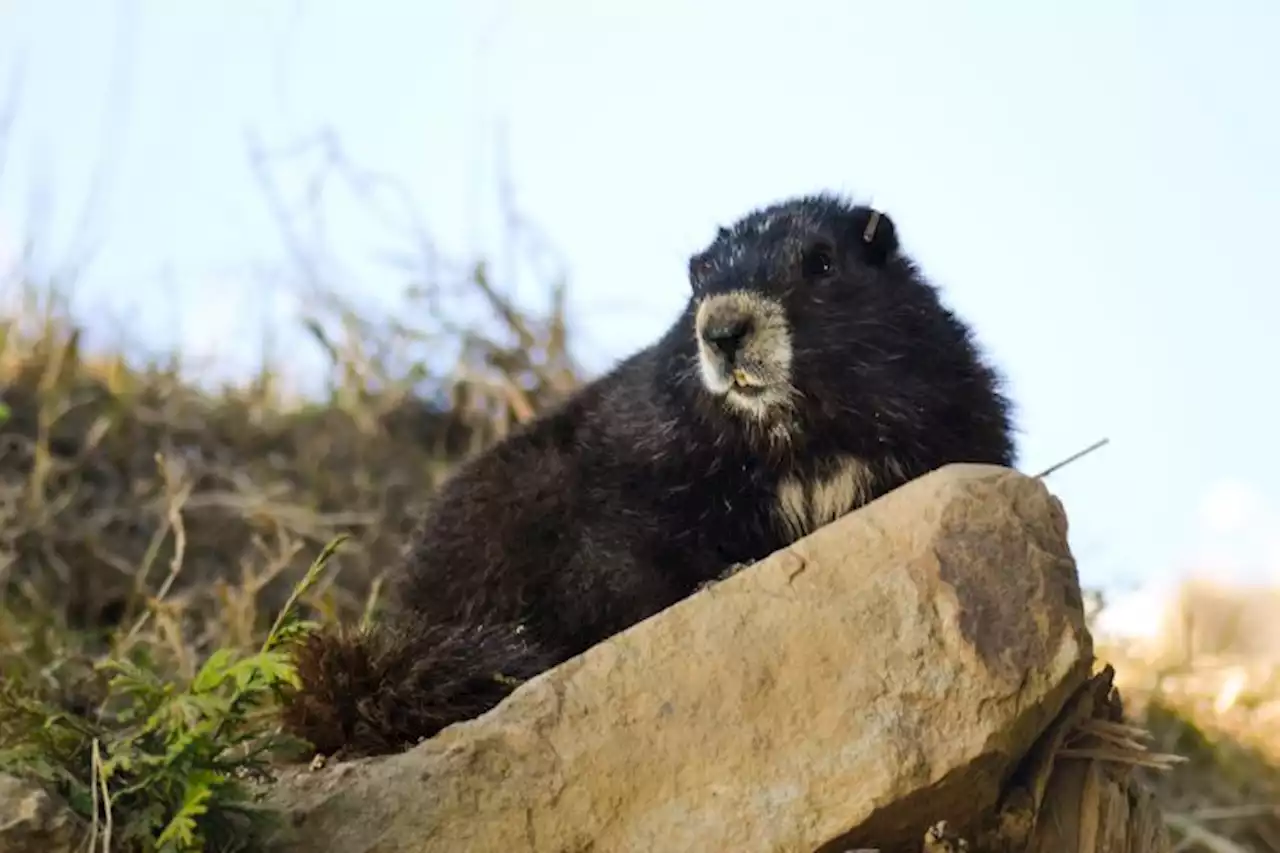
(795, 282)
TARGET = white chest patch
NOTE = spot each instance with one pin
(804, 505)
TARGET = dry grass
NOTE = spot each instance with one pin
(108, 469)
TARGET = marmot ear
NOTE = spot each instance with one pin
(700, 261)
(699, 265)
(876, 236)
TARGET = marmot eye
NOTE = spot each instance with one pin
(816, 261)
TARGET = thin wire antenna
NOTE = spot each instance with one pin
(1072, 458)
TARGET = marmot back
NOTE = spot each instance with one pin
(812, 370)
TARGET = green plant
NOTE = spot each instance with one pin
(160, 765)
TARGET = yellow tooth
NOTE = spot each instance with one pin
(740, 377)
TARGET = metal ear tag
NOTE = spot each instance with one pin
(869, 233)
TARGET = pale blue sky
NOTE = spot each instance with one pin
(1093, 185)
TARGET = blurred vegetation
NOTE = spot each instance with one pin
(1214, 699)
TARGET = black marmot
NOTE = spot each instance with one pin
(812, 370)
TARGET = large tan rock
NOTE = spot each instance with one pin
(882, 674)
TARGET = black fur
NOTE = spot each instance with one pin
(643, 485)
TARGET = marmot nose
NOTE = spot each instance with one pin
(726, 337)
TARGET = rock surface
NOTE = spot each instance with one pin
(34, 821)
(847, 692)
